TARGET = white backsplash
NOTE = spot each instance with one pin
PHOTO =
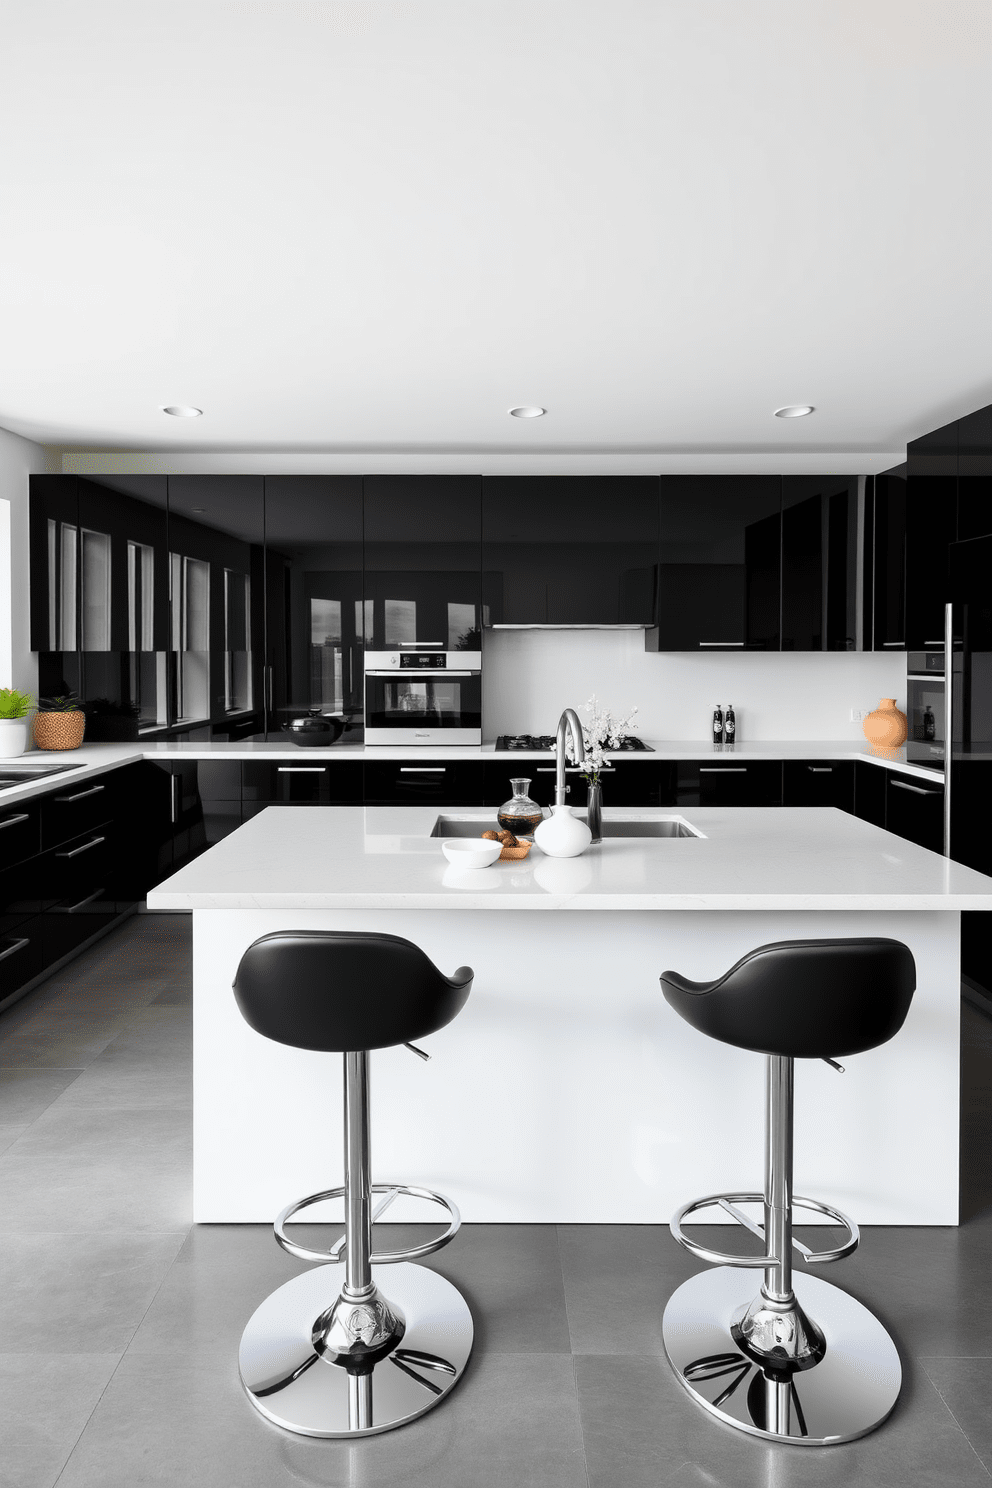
(530, 675)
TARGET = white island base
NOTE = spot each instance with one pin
(567, 1091)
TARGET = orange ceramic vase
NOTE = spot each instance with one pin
(886, 727)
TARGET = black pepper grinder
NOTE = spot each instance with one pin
(718, 724)
(729, 725)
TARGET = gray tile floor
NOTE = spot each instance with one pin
(119, 1322)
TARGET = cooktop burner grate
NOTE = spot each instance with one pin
(506, 743)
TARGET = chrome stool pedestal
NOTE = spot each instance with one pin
(326, 1357)
(800, 1360)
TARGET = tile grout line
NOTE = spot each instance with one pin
(953, 1417)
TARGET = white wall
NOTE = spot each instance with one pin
(19, 458)
(530, 675)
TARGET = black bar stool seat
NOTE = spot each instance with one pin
(803, 1361)
(321, 1357)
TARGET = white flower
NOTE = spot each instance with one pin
(602, 731)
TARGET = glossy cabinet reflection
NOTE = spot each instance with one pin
(570, 550)
(315, 628)
(719, 580)
(819, 563)
(975, 474)
(422, 562)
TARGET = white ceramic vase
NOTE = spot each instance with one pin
(562, 835)
(13, 737)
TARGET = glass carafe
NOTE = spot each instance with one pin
(520, 815)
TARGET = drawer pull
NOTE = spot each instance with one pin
(300, 769)
(93, 842)
(12, 821)
(17, 946)
(94, 790)
(71, 908)
(820, 769)
(895, 643)
(553, 770)
(723, 769)
(917, 790)
(721, 643)
(422, 769)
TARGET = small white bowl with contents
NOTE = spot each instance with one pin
(471, 852)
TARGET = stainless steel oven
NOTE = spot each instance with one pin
(423, 697)
(925, 706)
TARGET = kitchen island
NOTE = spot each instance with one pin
(567, 1090)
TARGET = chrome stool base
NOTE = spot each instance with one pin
(302, 1390)
(845, 1395)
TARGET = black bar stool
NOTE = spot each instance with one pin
(802, 1361)
(320, 1357)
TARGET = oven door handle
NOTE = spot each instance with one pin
(409, 674)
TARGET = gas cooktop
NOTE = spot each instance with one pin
(629, 744)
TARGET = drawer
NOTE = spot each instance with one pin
(19, 897)
(426, 783)
(300, 784)
(914, 809)
(20, 832)
(82, 869)
(818, 783)
(625, 783)
(20, 955)
(729, 782)
(75, 809)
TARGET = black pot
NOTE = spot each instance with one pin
(314, 732)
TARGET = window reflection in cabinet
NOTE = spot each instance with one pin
(315, 621)
(422, 562)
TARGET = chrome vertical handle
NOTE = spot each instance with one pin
(948, 720)
(174, 804)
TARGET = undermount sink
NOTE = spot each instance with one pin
(462, 824)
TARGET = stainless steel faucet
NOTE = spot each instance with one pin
(567, 723)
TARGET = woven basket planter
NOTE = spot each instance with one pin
(59, 730)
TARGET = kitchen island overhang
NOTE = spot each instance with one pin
(567, 1090)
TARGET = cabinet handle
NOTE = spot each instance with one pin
(93, 842)
(918, 790)
(820, 769)
(723, 769)
(937, 645)
(11, 821)
(419, 644)
(300, 769)
(894, 643)
(174, 801)
(71, 908)
(94, 790)
(721, 643)
(553, 770)
(422, 769)
(269, 686)
(17, 946)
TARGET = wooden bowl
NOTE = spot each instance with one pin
(515, 854)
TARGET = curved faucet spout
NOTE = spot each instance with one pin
(568, 723)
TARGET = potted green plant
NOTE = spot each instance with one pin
(59, 722)
(110, 723)
(14, 709)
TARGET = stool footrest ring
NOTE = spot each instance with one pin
(727, 1203)
(378, 1258)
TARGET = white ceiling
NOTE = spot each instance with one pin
(362, 230)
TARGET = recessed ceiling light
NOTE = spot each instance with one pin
(527, 412)
(797, 410)
(182, 410)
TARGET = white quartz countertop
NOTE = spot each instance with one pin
(752, 858)
(95, 759)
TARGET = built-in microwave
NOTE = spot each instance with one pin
(423, 697)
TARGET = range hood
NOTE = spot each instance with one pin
(590, 625)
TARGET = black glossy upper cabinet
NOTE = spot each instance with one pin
(423, 583)
(217, 585)
(914, 521)
(975, 474)
(719, 577)
(569, 550)
(314, 613)
(819, 563)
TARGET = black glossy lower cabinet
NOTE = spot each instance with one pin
(729, 782)
(424, 783)
(292, 783)
(869, 792)
(914, 809)
(626, 783)
(818, 783)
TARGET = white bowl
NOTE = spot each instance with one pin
(471, 852)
